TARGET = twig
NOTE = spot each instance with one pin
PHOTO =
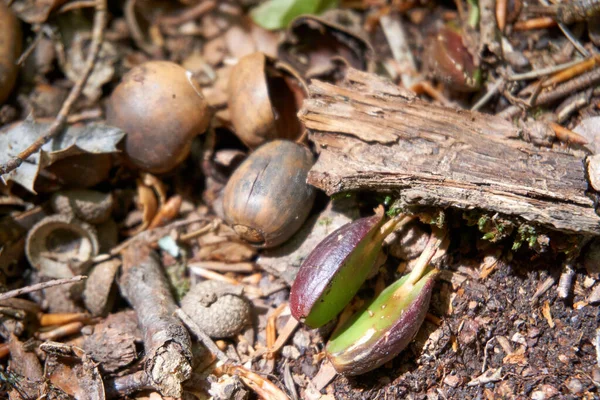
(136, 33)
(56, 127)
(203, 337)
(39, 35)
(167, 345)
(40, 286)
(576, 84)
(490, 93)
(543, 71)
(151, 235)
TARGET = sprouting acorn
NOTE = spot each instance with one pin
(385, 326)
(335, 270)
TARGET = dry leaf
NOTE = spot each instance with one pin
(95, 139)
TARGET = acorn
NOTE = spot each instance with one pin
(162, 109)
(382, 329)
(336, 269)
(10, 50)
(264, 98)
(267, 199)
(448, 59)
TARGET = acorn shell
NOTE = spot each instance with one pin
(267, 199)
(61, 246)
(264, 98)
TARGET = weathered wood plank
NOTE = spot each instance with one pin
(372, 135)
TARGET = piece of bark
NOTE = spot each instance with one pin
(112, 344)
(375, 136)
(166, 341)
(71, 370)
(99, 295)
(27, 366)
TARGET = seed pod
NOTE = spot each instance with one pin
(10, 48)
(267, 199)
(447, 58)
(383, 329)
(264, 98)
(162, 109)
(335, 270)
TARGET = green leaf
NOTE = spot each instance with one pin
(277, 14)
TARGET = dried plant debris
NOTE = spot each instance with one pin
(73, 141)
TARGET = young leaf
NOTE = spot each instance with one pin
(277, 14)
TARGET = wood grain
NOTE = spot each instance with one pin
(372, 135)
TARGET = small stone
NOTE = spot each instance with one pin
(290, 352)
(88, 205)
(452, 380)
(218, 308)
(575, 386)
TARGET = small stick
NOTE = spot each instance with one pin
(571, 72)
(201, 335)
(534, 23)
(566, 135)
(62, 331)
(224, 267)
(62, 318)
(543, 71)
(490, 93)
(40, 286)
(167, 345)
(284, 335)
(211, 275)
(574, 85)
(59, 122)
(501, 7)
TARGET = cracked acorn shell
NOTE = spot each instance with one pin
(61, 246)
(264, 98)
(267, 199)
(162, 109)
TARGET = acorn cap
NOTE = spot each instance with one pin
(217, 308)
(88, 205)
(61, 246)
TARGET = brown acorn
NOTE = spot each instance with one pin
(267, 199)
(162, 109)
(264, 98)
(448, 59)
(10, 49)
